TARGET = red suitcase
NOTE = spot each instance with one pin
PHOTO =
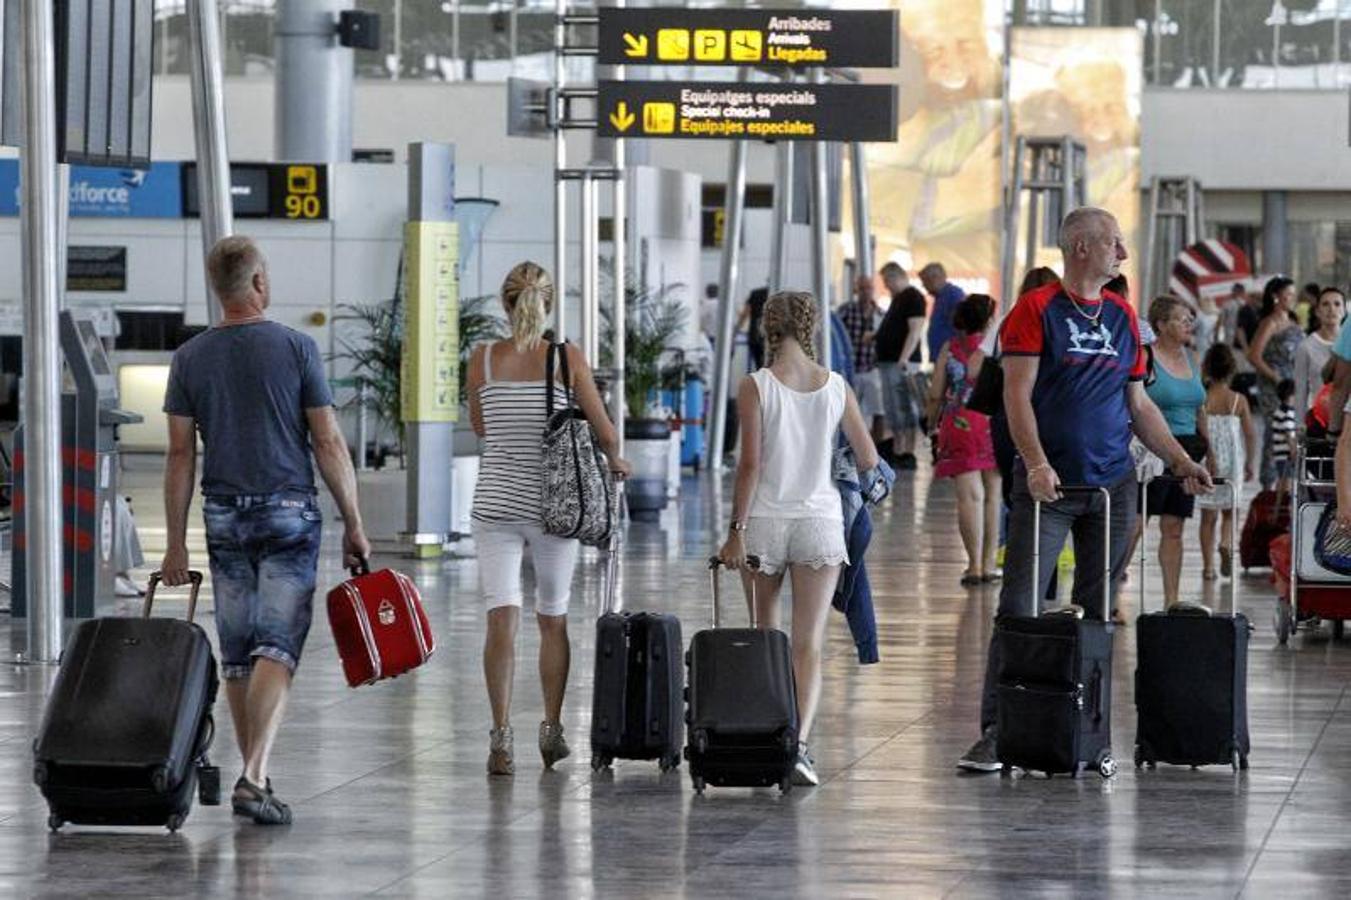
(1268, 518)
(379, 625)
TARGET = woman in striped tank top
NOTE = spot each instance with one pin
(507, 406)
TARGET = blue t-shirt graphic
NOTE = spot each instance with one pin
(1089, 351)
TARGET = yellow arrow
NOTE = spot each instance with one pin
(621, 118)
(636, 46)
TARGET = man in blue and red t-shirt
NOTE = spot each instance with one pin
(1073, 392)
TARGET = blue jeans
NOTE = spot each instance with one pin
(264, 551)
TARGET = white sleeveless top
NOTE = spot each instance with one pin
(797, 442)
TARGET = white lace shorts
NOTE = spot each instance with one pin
(783, 542)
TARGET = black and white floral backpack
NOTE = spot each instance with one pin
(578, 489)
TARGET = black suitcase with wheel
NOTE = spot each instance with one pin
(637, 707)
(1191, 683)
(743, 724)
(1055, 680)
(128, 724)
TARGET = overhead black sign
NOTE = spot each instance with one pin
(91, 268)
(296, 191)
(749, 37)
(722, 110)
(103, 76)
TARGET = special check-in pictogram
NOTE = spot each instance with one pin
(722, 110)
(752, 37)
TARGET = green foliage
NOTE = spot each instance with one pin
(653, 321)
(374, 348)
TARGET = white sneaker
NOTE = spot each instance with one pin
(125, 587)
(804, 770)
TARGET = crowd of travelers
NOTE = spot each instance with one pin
(1213, 391)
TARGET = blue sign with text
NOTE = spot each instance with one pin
(154, 193)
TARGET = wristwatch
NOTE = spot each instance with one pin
(737, 525)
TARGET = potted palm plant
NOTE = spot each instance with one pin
(653, 322)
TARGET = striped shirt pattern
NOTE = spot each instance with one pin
(1283, 425)
(510, 470)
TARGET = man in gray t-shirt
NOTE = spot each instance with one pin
(255, 392)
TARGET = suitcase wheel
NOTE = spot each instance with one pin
(175, 822)
(1107, 766)
(600, 762)
(698, 784)
(208, 785)
(785, 785)
(670, 763)
(159, 779)
(54, 822)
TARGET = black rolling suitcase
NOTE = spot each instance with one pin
(1055, 680)
(637, 705)
(1191, 682)
(127, 727)
(742, 719)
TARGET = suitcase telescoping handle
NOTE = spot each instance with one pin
(1233, 532)
(1037, 591)
(195, 585)
(715, 567)
(611, 602)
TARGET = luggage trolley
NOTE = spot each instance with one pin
(1307, 591)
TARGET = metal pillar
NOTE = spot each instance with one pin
(208, 125)
(1175, 219)
(1275, 232)
(820, 190)
(863, 245)
(734, 206)
(590, 269)
(560, 163)
(431, 445)
(314, 83)
(42, 346)
(621, 281)
(1053, 172)
(783, 202)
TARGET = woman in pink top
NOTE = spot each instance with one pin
(965, 448)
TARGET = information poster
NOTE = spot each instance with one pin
(431, 334)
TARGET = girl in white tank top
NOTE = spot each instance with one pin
(786, 508)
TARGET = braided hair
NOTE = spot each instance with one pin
(790, 314)
(528, 295)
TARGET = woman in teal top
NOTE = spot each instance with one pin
(1177, 391)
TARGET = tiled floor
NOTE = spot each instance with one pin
(391, 798)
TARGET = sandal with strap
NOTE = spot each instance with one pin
(259, 803)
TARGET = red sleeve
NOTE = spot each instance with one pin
(1022, 333)
(1141, 367)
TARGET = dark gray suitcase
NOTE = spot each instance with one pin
(637, 705)
(128, 724)
(1055, 681)
(1191, 681)
(743, 724)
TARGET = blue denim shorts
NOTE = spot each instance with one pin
(264, 550)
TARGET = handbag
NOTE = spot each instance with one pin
(987, 396)
(1332, 543)
(576, 500)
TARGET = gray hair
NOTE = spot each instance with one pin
(1079, 224)
(231, 265)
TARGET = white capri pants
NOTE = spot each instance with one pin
(501, 550)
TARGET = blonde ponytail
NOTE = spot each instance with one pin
(790, 314)
(528, 295)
